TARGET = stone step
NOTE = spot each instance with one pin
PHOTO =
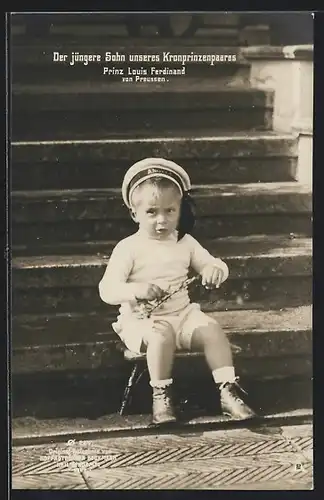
(179, 94)
(212, 28)
(275, 335)
(40, 237)
(257, 269)
(97, 19)
(106, 203)
(284, 291)
(238, 158)
(90, 111)
(281, 254)
(286, 408)
(226, 246)
(49, 328)
(43, 217)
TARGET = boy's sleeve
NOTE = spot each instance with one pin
(200, 258)
(113, 287)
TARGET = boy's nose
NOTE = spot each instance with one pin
(160, 218)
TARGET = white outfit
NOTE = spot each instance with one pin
(139, 258)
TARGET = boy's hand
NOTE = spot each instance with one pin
(147, 291)
(212, 276)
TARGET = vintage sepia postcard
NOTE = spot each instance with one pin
(161, 229)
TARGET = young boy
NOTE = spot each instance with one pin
(154, 261)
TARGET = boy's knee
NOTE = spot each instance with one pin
(209, 333)
(162, 334)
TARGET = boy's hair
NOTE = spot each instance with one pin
(187, 209)
(159, 183)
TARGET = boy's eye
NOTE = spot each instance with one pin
(150, 211)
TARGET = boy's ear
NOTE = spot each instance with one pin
(133, 215)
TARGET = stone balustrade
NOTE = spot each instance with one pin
(288, 70)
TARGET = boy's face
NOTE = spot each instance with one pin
(157, 211)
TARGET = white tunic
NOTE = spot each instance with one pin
(166, 263)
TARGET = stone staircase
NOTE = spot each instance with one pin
(73, 139)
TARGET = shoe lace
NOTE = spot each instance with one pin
(236, 383)
(162, 394)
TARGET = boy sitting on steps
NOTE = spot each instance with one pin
(154, 261)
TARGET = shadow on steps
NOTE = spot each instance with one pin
(94, 397)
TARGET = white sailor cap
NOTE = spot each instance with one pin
(153, 167)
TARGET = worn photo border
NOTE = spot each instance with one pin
(318, 159)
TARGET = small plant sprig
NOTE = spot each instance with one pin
(145, 308)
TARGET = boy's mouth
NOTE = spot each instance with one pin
(161, 231)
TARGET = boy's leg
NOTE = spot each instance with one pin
(204, 334)
(210, 339)
(160, 349)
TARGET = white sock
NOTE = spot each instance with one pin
(224, 374)
(161, 383)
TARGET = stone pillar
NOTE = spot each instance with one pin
(288, 71)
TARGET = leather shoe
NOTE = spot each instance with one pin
(232, 403)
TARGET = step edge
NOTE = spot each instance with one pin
(211, 138)
(88, 261)
(26, 438)
(80, 315)
(251, 188)
(38, 348)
